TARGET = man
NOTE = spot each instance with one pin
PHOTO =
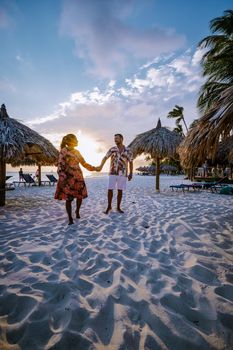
(20, 174)
(121, 156)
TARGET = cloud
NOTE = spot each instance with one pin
(4, 19)
(8, 13)
(132, 107)
(106, 42)
(19, 58)
(198, 56)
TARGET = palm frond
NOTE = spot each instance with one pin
(217, 62)
(223, 24)
(203, 139)
(209, 94)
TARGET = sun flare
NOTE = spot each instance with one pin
(90, 149)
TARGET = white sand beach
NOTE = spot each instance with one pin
(159, 277)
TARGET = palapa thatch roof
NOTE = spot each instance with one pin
(159, 142)
(231, 156)
(202, 141)
(142, 168)
(152, 168)
(21, 145)
(147, 169)
(168, 167)
(224, 151)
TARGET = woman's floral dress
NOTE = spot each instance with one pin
(71, 183)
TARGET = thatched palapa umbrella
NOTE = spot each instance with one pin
(202, 141)
(159, 143)
(231, 156)
(20, 145)
(168, 168)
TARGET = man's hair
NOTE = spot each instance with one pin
(121, 136)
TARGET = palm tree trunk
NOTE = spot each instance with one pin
(2, 182)
(185, 124)
(157, 173)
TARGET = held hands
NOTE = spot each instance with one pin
(98, 168)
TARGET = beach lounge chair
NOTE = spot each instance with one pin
(8, 186)
(28, 180)
(226, 190)
(52, 179)
(177, 187)
(214, 185)
(187, 187)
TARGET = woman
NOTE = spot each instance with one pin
(71, 182)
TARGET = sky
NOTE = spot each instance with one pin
(99, 67)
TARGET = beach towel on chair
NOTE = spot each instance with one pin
(226, 190)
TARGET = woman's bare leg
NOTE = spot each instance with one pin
(78, 206)
(69, 212)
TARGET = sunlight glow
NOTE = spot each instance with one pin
(91, 150)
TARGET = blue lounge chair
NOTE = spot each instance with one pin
(226, 190)
(52, 179)
(177, 187)
(28, 180)
(186, 186)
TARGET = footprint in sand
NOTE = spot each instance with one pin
(225, 291)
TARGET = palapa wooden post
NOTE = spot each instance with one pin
(157, 174)
(39, 175)
(2, 182)
(3, 116)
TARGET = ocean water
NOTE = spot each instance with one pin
(15, 175)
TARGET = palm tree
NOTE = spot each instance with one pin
(179, 129)
(177, 113)
(216, 96)
(217, 62)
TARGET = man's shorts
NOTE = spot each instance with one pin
(117, 182)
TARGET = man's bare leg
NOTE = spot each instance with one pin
(69, 212)
(78, 206)
(110, 195)
(119, 198)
